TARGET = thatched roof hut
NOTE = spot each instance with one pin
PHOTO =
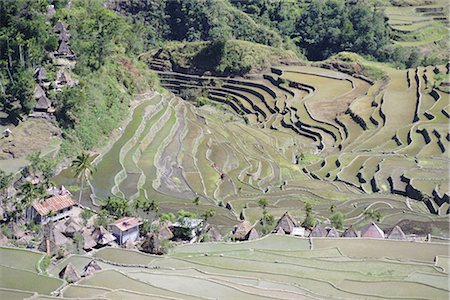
(102, 236)
(64, 36)
(396, 234)
(280, 231)
(214, 234)
(41, 74)
(350, 232)
(332, 232)
(318, 231)
(252, 235)
(241, 230)
(3, 239)
(164, 233)
(60, 26)
(43, 103)
(89, 241)
(64, 49)
(38, 92)
(287, 223)
(372, 231)
(129, 244)
(71, 227)
(69, 274)
(91, 268)
(152, 245)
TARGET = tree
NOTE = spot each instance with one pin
(332, 208)
(375, 215)
(310, 220)
(146, 205)
(85, 215)
(102, 219)
(337, 219)
(116, 206)
(196, 200)
(209, 213)
(83, 169)
(263, 204)
(5, 182)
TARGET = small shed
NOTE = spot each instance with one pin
(164, 232)
(372, 231)
(152, 245)
(396, 234)
(126, 229)
(298, 231)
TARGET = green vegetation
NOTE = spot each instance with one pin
(223, 56)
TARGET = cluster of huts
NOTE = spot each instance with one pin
(288, 225)
(43, 106)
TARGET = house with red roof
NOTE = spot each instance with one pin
(51, 209)
(126, 229)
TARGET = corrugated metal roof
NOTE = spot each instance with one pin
(127, 223)
(55, 203)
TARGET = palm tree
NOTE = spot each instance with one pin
(83, 168)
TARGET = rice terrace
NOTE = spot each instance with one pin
(224, 149)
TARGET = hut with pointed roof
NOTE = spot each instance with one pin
(350, 232)
(64, 50)
(40, 74)
(279, 231)
(43, 104)
(60, 26)
(372, 231)
(89, 241)
(332, 232)
(69, 273)
(91, 268)
(164, 232)
(252, 235)
(102, 236)
(241, 231)
(396, 234)
(214, 234)
(287, 223)
(52, 240)
(152, 245)
(64, 36)
(71, 227)
(318, 231)
(38, 92)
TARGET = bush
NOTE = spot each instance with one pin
(337, 219)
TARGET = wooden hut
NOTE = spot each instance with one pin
(318, 231)
(69, 273)
(60, 26)
(350, 232)
(396, 234)
(64, 50)
(372, 231)
(152, 245)
(252, 235)
(332, 232)
(214, 234)
(102, 236)
(43, 104)
(40, 74)
(287, 223)
(241, 231)
(90, 268)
